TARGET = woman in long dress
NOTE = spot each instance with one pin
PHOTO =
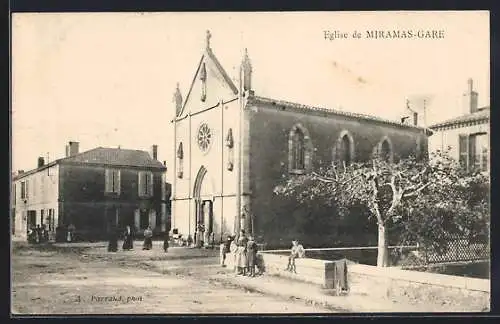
(128, 240)
(148, 239)
(241, 253)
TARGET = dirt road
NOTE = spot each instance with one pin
(78, 279)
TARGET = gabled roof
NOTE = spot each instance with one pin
(209, 53)
(307, 109)
(105, 156)
(482, 115)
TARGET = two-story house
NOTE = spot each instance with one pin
(466, 136)
(96, 191)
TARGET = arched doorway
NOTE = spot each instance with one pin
(204, 216)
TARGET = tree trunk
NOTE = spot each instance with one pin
(383, 251)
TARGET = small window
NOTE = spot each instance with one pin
(24, 192)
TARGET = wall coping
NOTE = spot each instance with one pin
(435, 279)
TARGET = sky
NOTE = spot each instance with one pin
(107, 79)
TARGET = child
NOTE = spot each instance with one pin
(296, 252)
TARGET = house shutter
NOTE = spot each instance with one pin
(150, 183)
(27, 190)
(139, 183)
(463, 147)
(106, 180)
(117, 181)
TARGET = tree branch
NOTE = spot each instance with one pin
(415, 193)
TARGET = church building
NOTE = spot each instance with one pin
(233, 147)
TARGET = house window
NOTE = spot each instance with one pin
(42, 212)
(145, 183)
(180, 160)
(474, 152)
(112, 181)
(15, 194)
(24, 189)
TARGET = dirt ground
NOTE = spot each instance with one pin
(86, 279)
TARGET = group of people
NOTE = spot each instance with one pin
(38, 234)
(244, 250)
(128, 240)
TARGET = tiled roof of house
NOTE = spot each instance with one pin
(482, 115)
(306, 108)
(117, 157)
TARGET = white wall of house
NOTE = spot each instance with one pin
(39, 197)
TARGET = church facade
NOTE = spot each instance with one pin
(233, 147)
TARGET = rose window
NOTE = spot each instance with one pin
(204, 137)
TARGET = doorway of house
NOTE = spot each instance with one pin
(31, 218)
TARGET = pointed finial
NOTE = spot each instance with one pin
(209, 35)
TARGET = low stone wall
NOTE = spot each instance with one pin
(315, 271)
(456, 293)
(468, 294)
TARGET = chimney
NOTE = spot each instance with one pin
(41, 161)
(154, 152)
(20, 171)
(72, 148)
(165, 163)
(470, 98)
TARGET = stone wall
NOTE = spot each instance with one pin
(457, 293)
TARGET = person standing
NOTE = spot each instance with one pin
(251, 256)
(113, 240)
(148, 239)
(165, 242)
(128, 240)
(38, 234)
(225, 250)
(241, 253)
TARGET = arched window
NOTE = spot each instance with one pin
(299, 150)
(385, 151)
(344, 149)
